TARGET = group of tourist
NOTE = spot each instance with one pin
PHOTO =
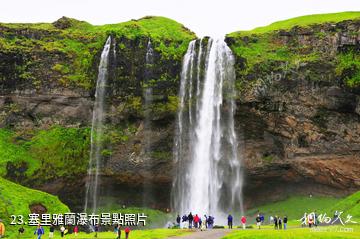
(190, 221)
(278, 222)
(117, 231)
(260, 219)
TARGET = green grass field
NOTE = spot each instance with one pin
(135, 234)
(139, 234)
(296, 233)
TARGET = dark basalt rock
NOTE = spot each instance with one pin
(63, 23)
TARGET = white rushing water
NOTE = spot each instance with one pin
(208, 176)
(97, 131)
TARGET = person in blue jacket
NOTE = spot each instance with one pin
(39, 231)
(230, 221)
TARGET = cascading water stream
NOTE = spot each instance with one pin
(97, 131)
(149, 60)
(208, 176)
(148, 99)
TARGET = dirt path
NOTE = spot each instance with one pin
(209, 234)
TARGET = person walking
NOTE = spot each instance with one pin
(280, 223)
(39, 231)
(203, 225)
(190, 219)
(211, 220)
(196, 221)
(275, 222)
(21, 230)
(285, 222)
(262, 219)
(62, 231)
(310, 219)
(206, 221)
(184, 221)
(230, 221)
(127, 232)
(118, 232)
(316, 220)
(96, 229)
(51, 231)
(243, 222)
(76, 230)
(258, 221)
(178, 219)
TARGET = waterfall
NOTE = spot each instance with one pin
(149, 61)
(148, 100)
(97, 131)
(208, 175)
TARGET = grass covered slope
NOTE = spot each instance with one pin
(16, 200)
(302, 21)
(295, 207)
(349, 205)
(67, 50)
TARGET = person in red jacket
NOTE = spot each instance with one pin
(243, 221)
(127, 232)
(196, 221)
(76, 230)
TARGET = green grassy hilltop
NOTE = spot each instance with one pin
(75, 44)
(301, 21)
(281, 46)
(17, 200)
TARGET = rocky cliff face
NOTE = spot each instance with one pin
(298, 109)
(298, 112)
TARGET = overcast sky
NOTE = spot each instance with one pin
(204, 17)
